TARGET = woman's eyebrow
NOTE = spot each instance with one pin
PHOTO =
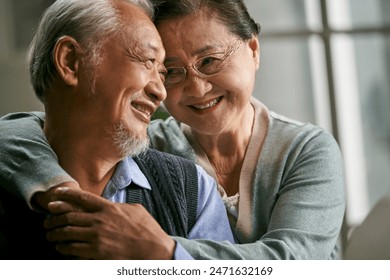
(205, 49)
(194, 53)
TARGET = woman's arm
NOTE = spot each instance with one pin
(28, 164)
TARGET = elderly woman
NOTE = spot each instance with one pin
(281, 180)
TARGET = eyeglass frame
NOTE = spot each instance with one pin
(230, 51)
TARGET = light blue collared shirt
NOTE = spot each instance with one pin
(212, 222)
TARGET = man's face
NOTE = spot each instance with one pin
(128, 82)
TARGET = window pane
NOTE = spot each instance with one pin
(363, 96)
(284, 79)
(358, 13)
(284, 15)
(374, 91)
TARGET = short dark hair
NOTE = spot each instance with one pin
(232, 13)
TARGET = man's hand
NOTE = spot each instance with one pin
(90, 227)
(42, 199)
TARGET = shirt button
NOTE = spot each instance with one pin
(122, 180)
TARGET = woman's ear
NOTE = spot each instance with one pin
(254, 44)
(67, 59)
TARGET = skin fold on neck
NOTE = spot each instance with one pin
(226, 151)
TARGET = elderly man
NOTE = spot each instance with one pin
(97, 66)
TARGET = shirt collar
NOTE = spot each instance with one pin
(126, 172)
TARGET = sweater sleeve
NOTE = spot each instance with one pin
(310, 204)
(28, 164)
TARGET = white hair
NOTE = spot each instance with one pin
(89, 22)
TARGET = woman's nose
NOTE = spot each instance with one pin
(196, 86)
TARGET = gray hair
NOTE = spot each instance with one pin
(89, 22)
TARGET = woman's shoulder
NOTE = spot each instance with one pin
(169, 123)
(164, 130)
(167, 136)
(283, 125)
(287, 132)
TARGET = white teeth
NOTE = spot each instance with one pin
(206, 106)
(142, 109)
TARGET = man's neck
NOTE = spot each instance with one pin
(88, 158)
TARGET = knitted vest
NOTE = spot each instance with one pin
(172, 201)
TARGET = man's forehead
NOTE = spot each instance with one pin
(143, 44)
(131, 12)
(143, 34)
(139, 32)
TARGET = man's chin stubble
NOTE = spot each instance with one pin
(128, 144)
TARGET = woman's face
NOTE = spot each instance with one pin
(209, 104)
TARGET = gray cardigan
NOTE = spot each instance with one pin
(292, 199)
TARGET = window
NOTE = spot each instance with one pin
(328, 62)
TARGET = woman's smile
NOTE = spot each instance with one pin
(206, 105)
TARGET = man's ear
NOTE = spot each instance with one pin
(254, 44)
(67, 59)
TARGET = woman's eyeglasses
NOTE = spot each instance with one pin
(205, 66)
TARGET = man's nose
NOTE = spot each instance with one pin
(156, 87)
